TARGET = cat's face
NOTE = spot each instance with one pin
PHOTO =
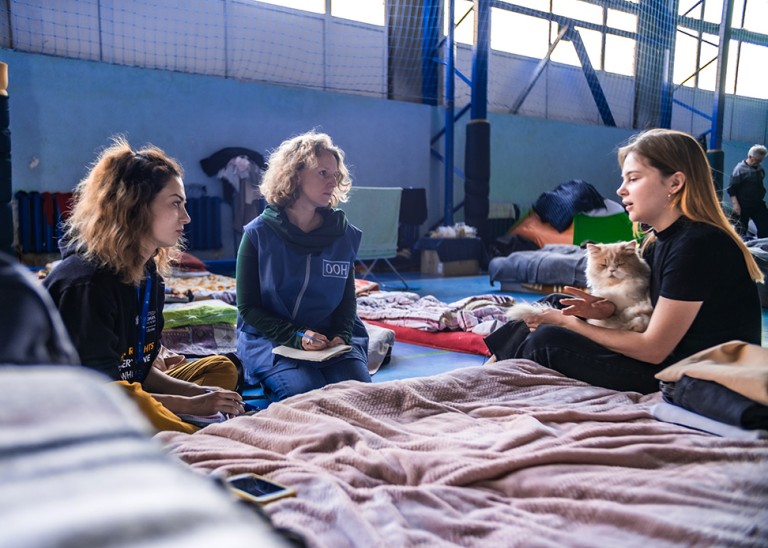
(609, 264)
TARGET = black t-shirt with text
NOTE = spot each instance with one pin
(101, 314)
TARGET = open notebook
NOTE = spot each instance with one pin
(312, 356)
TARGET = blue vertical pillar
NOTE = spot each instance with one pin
(430, 38)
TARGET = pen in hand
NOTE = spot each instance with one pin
(310, 337)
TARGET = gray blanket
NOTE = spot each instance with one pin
(553, 264)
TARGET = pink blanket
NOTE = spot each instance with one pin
(509, 454)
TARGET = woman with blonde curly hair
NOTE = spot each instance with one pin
(295, 273)
(125, 227)
(703, 278)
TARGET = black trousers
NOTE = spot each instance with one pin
(573, 355)
(759, 214)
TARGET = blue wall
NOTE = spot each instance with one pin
(63, 111)
(531, 155)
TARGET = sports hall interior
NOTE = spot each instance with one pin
(522, 113)
(469, 114)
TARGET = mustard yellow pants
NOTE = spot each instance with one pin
(208, 371)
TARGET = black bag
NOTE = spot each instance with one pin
(31, 330)
(559, 206)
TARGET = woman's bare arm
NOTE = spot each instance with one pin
(185, 397)
(669, 322)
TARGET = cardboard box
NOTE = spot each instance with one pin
(430, 264)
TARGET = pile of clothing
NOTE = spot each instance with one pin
(240, 169)
(722, 390)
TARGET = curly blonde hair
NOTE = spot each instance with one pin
(111, 213)
(671, 151)
(280, 184)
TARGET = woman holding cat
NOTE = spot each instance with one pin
(702, 278)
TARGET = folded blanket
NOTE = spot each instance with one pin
(210, 311)
(201, 340)
(713, 400)
(202, 284)
(737, 365)
(554, 264)
(675, 414)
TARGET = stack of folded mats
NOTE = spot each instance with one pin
(722, 390)
(200, 328)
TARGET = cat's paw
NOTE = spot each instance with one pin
(638, 324)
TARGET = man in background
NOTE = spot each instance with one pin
(747, 192)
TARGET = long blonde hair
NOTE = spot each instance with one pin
(111, 213)
(280, 184)
(671, 151)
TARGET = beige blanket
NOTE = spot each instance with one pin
(509, 454)
(737, 365)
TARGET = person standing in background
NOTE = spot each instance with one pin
(747, 192)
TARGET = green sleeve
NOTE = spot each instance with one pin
(275, 328)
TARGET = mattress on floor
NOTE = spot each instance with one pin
(554, 264)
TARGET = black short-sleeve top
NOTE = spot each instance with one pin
(693, 261)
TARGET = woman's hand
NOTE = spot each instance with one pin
(336, 341)
(586, 306)
(211, 401)
(189, 398)
(314, 341)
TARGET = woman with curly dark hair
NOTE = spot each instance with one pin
(124, 231)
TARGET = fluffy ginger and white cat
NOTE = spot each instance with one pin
(615, 272)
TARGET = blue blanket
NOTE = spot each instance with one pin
(553, 264)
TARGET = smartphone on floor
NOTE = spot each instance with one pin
(258, 489)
